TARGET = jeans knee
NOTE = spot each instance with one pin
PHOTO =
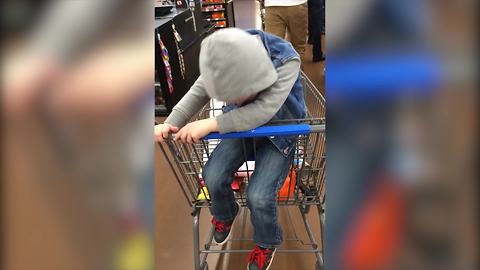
(259, 202)
(212, 178)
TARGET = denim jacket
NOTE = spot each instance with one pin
(280, 52)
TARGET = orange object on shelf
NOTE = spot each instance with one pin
(288, 189)
(221, 23)
(218, 15)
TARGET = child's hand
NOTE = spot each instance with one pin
(193, 132)
(162, 131)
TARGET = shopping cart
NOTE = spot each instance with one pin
(304, 187)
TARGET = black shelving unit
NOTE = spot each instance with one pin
(219, 12)
(181, 33)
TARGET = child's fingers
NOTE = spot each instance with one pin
(158, 138)
(165, 132)
(157, 130)
(192, 139)
(184, 135)
(189, 138)
(177, 135)
(158, 134)
(196, 138)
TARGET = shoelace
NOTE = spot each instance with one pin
(259, 255)
(219, 226)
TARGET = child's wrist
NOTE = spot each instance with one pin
(213, 124)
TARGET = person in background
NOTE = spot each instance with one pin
(291, 15)
(316, 20)
(310, 23)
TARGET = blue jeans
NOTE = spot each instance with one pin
(271, 169)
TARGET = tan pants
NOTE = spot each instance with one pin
(292, 18)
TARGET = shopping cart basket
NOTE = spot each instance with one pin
(304, 187)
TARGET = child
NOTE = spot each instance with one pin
(257, 74)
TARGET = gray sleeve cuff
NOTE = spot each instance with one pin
(225, 123)
(189, 105)
(177, 118)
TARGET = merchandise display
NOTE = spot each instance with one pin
(219, 12)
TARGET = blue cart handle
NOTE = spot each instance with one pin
(268, 131)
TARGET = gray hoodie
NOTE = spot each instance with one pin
(235, 64)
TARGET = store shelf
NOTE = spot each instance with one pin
(213, 4)
(227, 11)
(214, 10)
(215, 20)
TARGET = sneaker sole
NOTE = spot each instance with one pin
(271, 260)
(231, 228)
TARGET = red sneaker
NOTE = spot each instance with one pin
(261, 258)
(223, 229)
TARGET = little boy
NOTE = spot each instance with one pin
(257, 75)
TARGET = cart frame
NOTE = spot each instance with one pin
(308, 168)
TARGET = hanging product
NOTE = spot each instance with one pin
(179, 52)
(166, 62)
